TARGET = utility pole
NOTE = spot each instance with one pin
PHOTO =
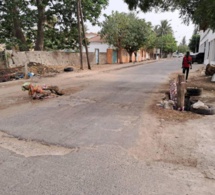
(80, 36)
(84, 35)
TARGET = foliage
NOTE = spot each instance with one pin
(183, 48)
(167, 43)
(163, 29)
(50, 24)
(194, 43)
(165, 39)
(125, 31)
(201, 12)
(151, 39)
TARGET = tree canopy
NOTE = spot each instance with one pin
(194, 43)
(164, 37)
(125, 31)
(44, 24)
(200, 12)
(163, 28)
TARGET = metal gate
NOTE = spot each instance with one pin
(114, 57)
(97, 56)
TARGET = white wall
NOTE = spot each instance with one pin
(207, 45)
(96, 45)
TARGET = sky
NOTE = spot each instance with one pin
(179, 29)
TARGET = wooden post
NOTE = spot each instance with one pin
(26, 66)
(181, 92)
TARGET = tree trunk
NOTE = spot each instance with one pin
(130, 56)
(39, 46)
(18, 30)
(84, 35)
(120, 55)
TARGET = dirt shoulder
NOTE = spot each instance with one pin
(183, 139)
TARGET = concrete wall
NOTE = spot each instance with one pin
(54, 58)
(207, 45)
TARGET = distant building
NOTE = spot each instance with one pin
(207, 46)
(96, 43)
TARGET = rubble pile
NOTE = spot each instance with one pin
(38, 68)
(11, 74)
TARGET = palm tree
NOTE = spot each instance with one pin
(163, 29)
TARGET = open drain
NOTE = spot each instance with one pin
(31, 148)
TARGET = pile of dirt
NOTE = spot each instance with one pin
(41, 69)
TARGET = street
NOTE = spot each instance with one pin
(106, 140)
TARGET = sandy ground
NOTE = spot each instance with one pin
(180, 138)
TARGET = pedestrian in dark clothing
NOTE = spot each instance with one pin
(187, 64)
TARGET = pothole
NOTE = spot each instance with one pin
(31, 148)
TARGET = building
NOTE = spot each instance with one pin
(207, 46)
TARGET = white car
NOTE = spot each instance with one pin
(180, 55)
(174, 55)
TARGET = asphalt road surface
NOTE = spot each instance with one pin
(99, 123)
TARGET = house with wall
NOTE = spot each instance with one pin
(207, 46)
(98, 46)
(101, 49)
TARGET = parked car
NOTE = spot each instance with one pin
(180, 55)
(198, 58)
(175, 55)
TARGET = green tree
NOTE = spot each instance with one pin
(163, 28)
(125, 31)
(182, 47)
(46, 24)
(166, 43)
(201, 12)
(194, 43)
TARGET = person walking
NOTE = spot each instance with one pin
(187, 64)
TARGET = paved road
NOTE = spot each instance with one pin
(101, 122)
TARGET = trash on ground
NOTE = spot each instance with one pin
(199, 104)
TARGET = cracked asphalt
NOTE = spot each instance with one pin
(102, 121)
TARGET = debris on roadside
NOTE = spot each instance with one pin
(210, 70)
(170, 101)
(199, 104)
(68, 69)
(11, 74)
(40, 69)
(40, 92)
